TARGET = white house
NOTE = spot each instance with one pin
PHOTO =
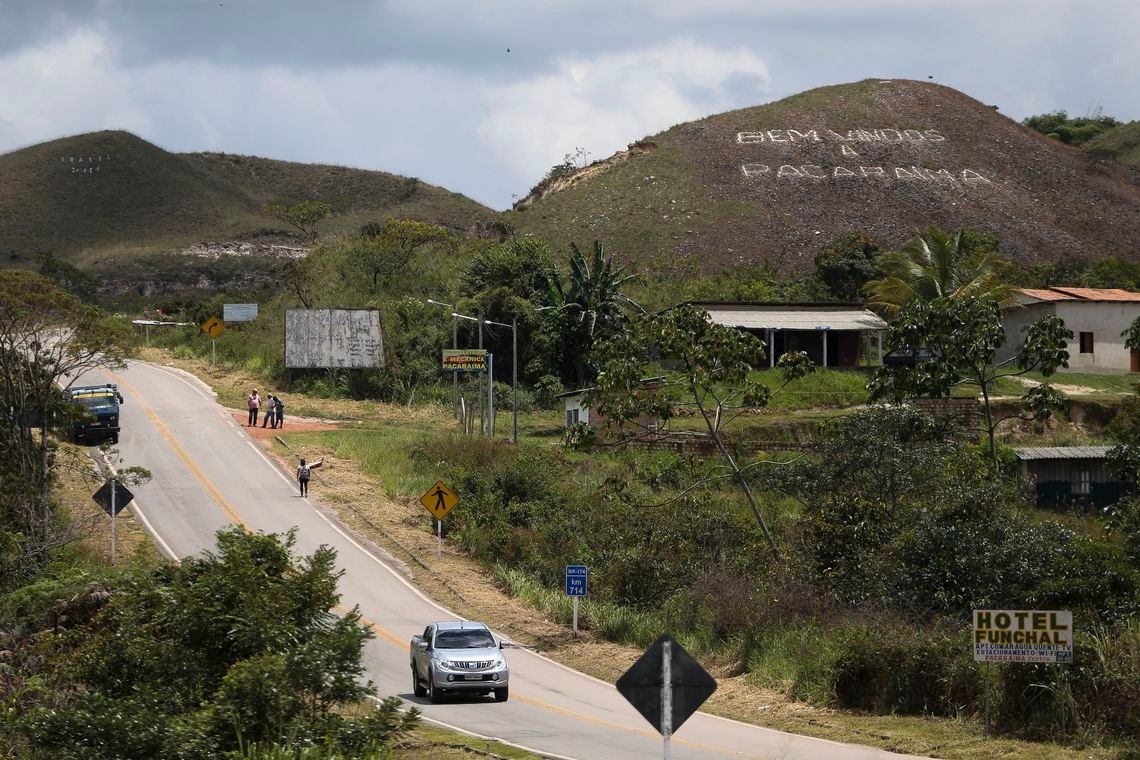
(1096, 316)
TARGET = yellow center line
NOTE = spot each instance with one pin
(182, 454)
(380, 631)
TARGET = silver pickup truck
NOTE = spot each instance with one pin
(458, 656)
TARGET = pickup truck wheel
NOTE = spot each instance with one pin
(433, 694)
(502, 694)
(417, 687)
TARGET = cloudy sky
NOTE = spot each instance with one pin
(484, 96)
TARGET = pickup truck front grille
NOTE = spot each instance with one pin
(474, 665)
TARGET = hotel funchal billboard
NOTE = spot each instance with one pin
(1023, 636)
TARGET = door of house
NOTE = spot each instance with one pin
(1135, 361)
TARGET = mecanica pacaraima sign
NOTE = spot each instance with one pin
(1023, 636)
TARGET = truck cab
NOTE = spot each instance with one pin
(97, 414)
(458, 657)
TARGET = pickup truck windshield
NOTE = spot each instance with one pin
(464, 639)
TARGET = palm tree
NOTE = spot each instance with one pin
(588, 306)
(935, 264)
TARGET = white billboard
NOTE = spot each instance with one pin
(239, 312)
(319, 338)
(1023, 635)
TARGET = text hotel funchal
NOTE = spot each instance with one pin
(847, 163)
(1023, 636)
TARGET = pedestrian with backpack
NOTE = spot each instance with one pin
(303, 472)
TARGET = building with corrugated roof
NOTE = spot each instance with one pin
(1071, 475)
(831, 334)
(1096, 316)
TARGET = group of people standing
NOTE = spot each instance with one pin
(274, 410)
(275, 417)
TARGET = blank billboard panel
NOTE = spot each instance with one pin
(321, 338)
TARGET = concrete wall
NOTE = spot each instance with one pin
(1104, 319)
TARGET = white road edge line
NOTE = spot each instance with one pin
(395, 574)
(468, 732)
(138, 512)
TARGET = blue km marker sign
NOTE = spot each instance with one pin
(576, 580)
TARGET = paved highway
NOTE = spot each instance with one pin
(208, 473)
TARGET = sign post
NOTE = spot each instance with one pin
(1022, 636)
(577, 582)
(666, 685)
(113, 496)
(439, 500)
(213, 327)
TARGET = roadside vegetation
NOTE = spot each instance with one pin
(891, 525)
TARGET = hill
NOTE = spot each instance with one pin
(103, 195)
(1122, 142)
(777, 182)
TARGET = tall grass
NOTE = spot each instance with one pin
(383, 454)
(614, 622)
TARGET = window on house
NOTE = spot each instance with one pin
(1086, 343)
(1084, 483)
(572, 416)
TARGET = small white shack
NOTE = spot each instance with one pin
(1096, 316)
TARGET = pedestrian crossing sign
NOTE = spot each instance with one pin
(439, 500)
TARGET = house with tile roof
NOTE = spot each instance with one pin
(1096, 316)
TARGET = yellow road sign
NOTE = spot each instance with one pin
(439, 500)
(213, 327)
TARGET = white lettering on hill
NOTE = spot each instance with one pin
(846, 164)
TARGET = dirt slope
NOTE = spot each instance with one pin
(778, 181)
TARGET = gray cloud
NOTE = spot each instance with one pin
(427, 87)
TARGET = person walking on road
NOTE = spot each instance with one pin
(253, 401)
(270, 412)
(303, 472)
(279, 409)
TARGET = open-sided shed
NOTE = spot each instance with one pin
(832, 335)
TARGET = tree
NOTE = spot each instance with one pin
(304, 216)
(47, 339)
(712, 363)
(1076, 131)
(847, 264)
(587, 306)
(933, 265)
(237, 646)
(962, 337)
(387, 253)
(1124, 457)
(520, 265)
(68, 277)
(860, 483)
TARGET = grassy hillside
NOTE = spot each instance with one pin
(99, 189)
(776, 182)
(112, 196)
(356, 195)
(1123, 142)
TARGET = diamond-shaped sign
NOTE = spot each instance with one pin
(123, 497)
(439, 500)
(690, 684)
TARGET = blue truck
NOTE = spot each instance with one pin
(97, 414)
